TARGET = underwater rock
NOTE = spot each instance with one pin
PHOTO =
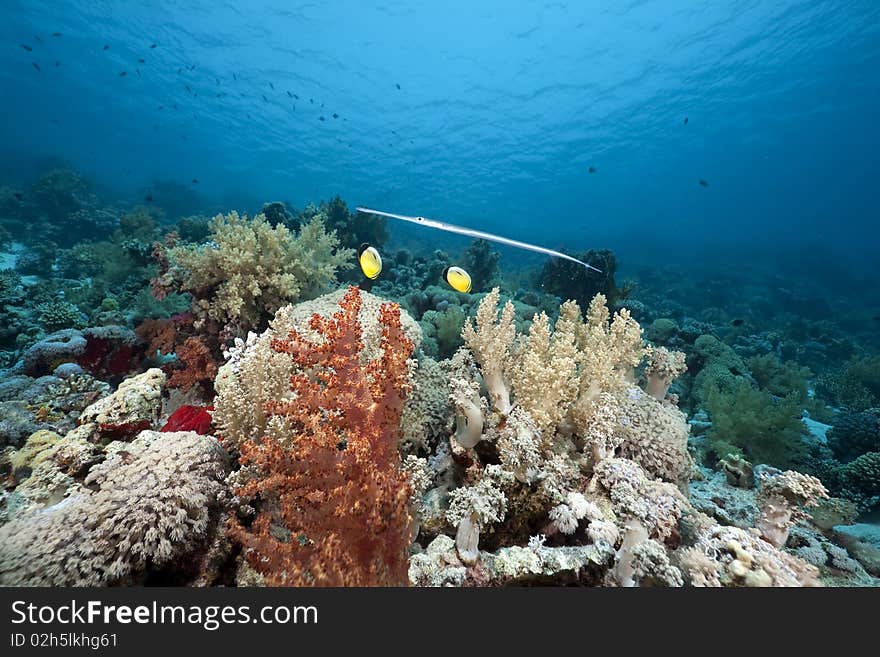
(134, 407)
(829, 513)
(537, 564)
(729, 505)
(101, 350)
(16, 423)
(862, 541)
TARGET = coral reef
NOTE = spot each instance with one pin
(333, 500)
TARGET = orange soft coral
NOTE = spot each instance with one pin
(198, 364)
(334, 501)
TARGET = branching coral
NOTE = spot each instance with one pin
(249, 269)
(764, 429)
(544, 372)
(490, 339)
(335, 502)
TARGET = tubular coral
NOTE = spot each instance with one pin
(335, 501)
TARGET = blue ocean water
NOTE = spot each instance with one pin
(487, 114)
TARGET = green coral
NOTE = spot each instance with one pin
(752, 423)
(481, 262)
(856, 385)
(250, 268)
(56, 315)
(720, 369)
(352, 230)
(445, 328)
(859, 481)
(779, 378)
(661, 330)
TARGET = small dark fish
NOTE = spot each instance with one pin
(39, 40)
(264, 98)
(179, 71)
(295, 96)
(148, 198)
(123, 74)
(55, 121)
(685, 120)
(218, 81)
(738, 322)
(272, 85)
(19, 196)
(175, 105)
(36, 66)
(195, 181)
(106, 47)
(192, 67)
(188, 89)
(321, 118)
(26, 47)
(138, 71)
(57, 64)
(160, 108)
(219, 95)
(152, 46)
(234, 77)
(335, 116)
(876, 317)
(56, 34)
(703, 183)
(142, 61)
(290, 95)
(397, 85)
(592, 169)
(312, 100)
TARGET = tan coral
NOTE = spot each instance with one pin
(663, 367)
(491, 341)
(250, 269)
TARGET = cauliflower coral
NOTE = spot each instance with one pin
(248, 269)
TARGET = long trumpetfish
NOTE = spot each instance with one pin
(478, 234)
